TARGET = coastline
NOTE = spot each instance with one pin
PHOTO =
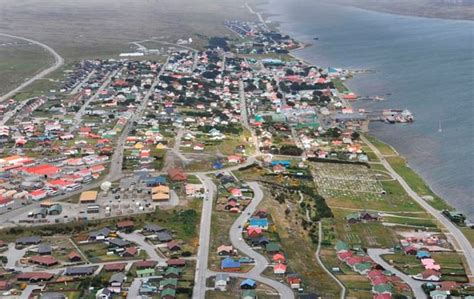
(391, 11)
(441, 201)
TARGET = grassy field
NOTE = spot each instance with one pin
(106, 27)
(20, 60)
(416, 182)
(399, 164)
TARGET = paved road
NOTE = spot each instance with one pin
(415, 285)
(461, 241)
(58, 62)
(199, 291)
(261, 263)
(244, 116)
(139, 239)
(79, 114)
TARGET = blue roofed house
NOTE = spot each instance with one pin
(155, 181)
(229, 264)
(259, 222)
(248, 284)
(285, 163)
(423, 254)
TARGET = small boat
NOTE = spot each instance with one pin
(316, 38)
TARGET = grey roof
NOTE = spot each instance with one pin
(117, 277)
(150, 227)
(119, 242)
(101, 232)
(80, 270)
(44, 248)
(28, 240)
(164, 236)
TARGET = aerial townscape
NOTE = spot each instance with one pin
(225, 169)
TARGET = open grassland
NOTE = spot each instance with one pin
(90, 28)
(20, 60)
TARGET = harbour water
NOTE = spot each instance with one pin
(425, 65)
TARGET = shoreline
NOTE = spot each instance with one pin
(291, 53)
(407, 178)
(390, 11)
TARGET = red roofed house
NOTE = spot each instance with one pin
(46, 260)
(254, 232)
(279, 258)
(279, 269)
(177, 174)
(38, 194)
(60, 183)
(130, 252)
(43, 169)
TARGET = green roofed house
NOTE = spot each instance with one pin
(382, 289)
(363, 268)
(352, 218)
(169, 283)
(249, 294)
(341, 246)
(172, 272)
(272, 247)
(168, 294)
(145, 272)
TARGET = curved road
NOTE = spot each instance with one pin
(58, 62)
(261, 263)
(415, 285)
(461, 240)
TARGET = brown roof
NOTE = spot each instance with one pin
(176, 262)
(131, 250)
(172, 244)
(115, 267)
(46, 260)
(176, 174)
(125, 223)
(145, 264)
(73, 255)
(35, 276)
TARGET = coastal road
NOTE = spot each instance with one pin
(58, 62)
(415, 285)
(199, 291)
(463, 244)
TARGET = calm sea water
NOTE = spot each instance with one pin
(427, 65)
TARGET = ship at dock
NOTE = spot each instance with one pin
(392, 116)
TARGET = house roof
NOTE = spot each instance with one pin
(115, 267)
(248, 282)
(229, 263)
